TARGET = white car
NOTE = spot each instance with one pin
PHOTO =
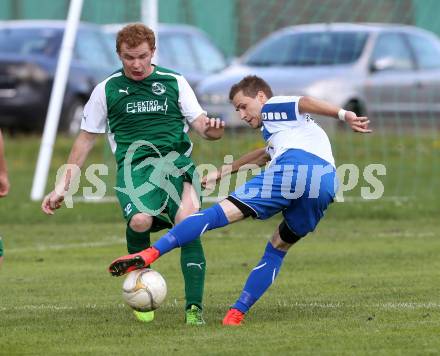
(382, 70)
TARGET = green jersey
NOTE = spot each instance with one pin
(156, 109)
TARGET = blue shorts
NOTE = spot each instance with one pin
(298, 183)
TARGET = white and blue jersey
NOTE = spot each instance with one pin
(285, 128)
(300, 180)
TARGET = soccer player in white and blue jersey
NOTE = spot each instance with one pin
(299, 181)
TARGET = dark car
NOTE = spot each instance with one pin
(182, 48)
(28, 57)
(377, 69)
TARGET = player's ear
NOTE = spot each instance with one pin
(261, 97)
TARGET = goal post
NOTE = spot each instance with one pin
(149, 16)
(56, 100)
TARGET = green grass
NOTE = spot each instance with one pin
(366, 282)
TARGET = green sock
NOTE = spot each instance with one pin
(193, 264)
(136, 241)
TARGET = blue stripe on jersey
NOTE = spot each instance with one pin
(279, 112)
(266, 134)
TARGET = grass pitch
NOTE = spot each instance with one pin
(366, 282)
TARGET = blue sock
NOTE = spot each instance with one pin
(260, 278)
(191, 228)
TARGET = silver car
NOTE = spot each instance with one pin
(29, 52)
(376, 69)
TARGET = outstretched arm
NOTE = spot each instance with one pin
(4, 180)
(314, 106)
(258, 157)
(80, 150)
(208, 128)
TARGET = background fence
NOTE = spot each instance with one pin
(410, 149)
(235, 25)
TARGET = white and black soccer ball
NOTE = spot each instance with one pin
(144, 289)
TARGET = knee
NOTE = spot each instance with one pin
(279, 244)
(284, 238)
(141, 222)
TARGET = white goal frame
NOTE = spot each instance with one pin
(56, 100)
(149, 14)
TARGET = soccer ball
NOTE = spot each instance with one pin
(144, 289)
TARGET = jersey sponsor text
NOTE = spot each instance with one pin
(147, 106)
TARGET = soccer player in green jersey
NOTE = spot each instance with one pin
(146, 111)
(4, 183)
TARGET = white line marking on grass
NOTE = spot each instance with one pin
(53, 307)
(316, 305)
(38, 307)
(112, 242)
(394, 198)
(409, 305)
(406, 234)
(399, 305)
(56, 247)
(386, 306)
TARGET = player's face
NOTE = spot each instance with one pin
(137, 60)
(249, 108)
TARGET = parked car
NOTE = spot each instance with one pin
(182, 48)
(374, 69)
(28, 57)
